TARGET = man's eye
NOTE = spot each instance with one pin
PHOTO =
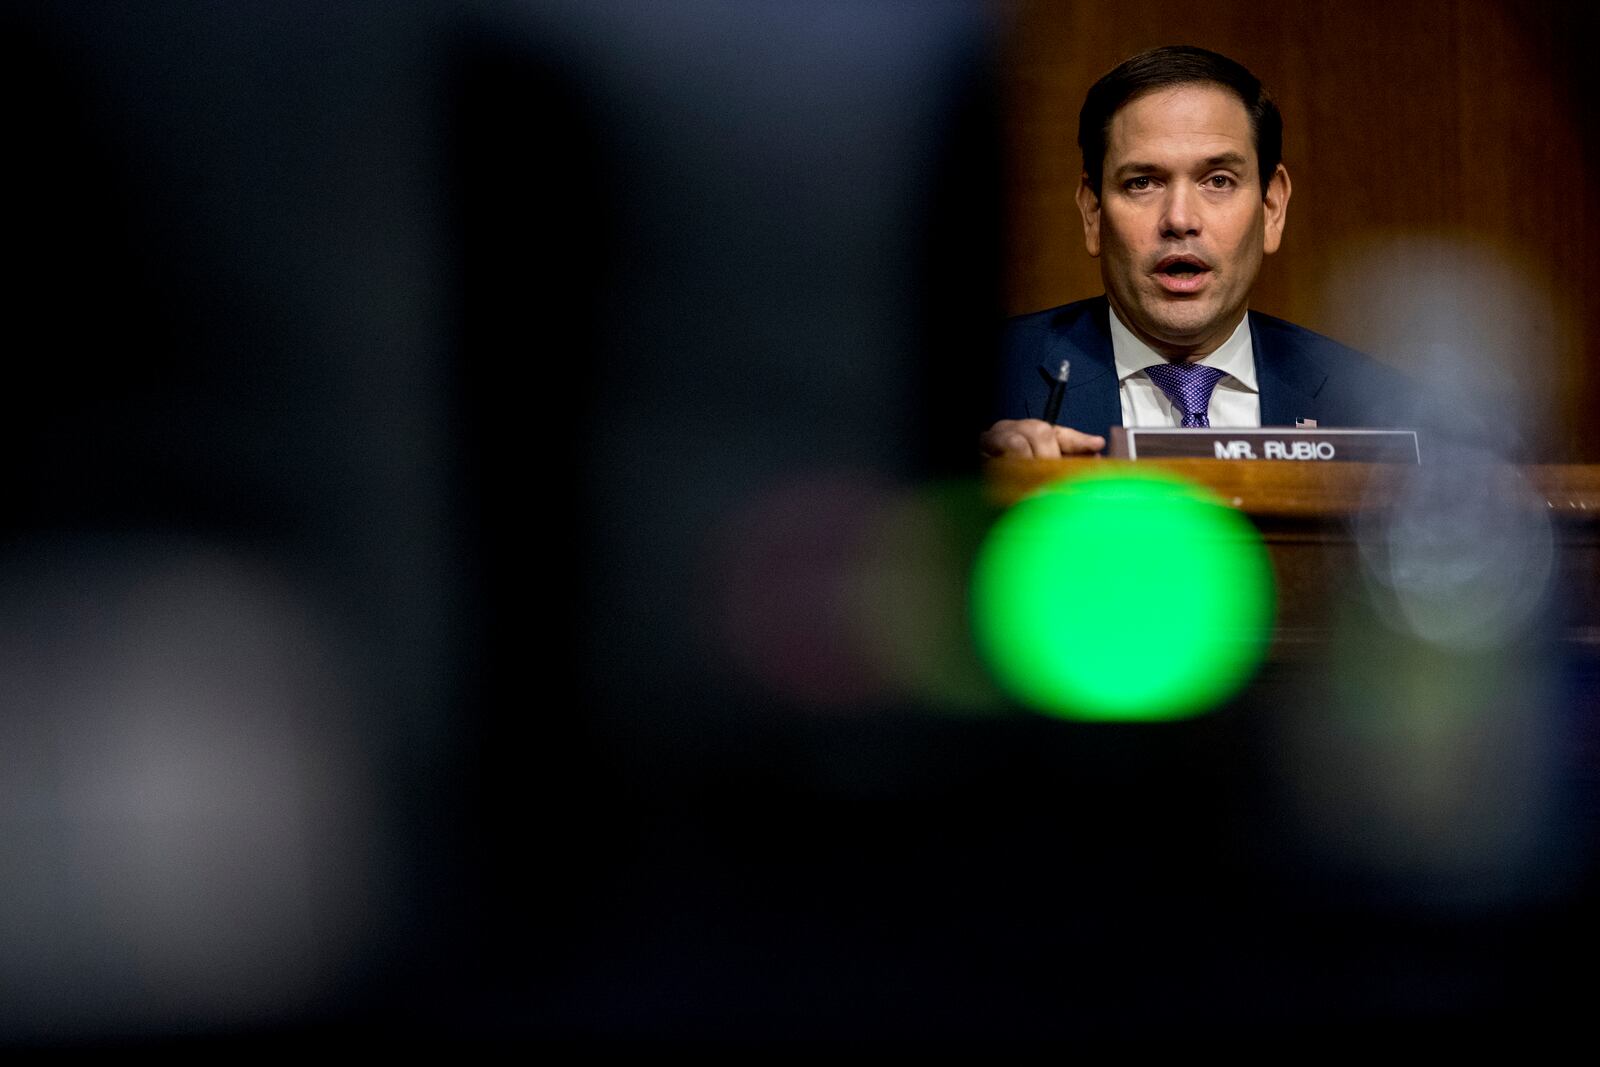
(1219, 181)
(1136, 184)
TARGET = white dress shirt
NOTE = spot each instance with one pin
(1234, 402)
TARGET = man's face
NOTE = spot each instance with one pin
(1181, 223)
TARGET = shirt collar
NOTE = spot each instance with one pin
(1234, 357)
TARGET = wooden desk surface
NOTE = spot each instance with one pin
(1269, 490)
(1303, 511)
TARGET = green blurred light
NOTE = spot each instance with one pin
(1122, 596)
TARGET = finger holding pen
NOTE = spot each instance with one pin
(1041, 438)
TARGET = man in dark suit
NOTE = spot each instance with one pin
(1183, 194)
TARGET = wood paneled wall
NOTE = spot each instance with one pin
(1443, 159)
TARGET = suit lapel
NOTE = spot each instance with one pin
(1289, 381)
(1092, 403)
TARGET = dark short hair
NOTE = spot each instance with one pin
(1175, 65)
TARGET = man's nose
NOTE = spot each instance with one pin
(1180, 216)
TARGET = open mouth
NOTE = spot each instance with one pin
(1182, 274)
(1182, 265)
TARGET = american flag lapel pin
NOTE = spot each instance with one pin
(1305, 424)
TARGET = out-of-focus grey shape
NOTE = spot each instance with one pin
(1464, 319)
(1464, 557)
(186, 821)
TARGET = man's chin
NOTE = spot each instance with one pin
(1183, 332)
(1178, 323)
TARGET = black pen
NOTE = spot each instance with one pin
(1058, 392)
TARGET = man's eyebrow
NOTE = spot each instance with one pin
(1225, 159)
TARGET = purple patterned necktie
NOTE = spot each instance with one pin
(1188, 386)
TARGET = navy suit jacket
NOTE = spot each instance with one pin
(1300, 374)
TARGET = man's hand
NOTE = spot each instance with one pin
(1038, 439)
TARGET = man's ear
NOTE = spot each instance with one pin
(1276, 204)
(1089, 208)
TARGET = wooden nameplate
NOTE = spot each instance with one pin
(1268, 443)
